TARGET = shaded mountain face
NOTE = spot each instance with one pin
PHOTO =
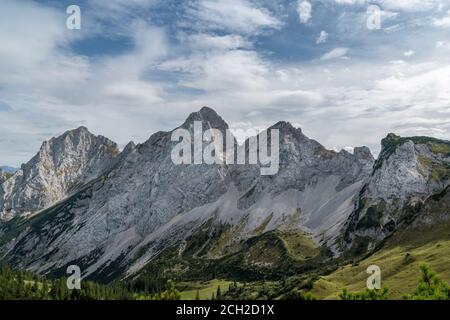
(61, 167)
(407, 173)
(144, 204)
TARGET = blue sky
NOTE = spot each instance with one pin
(140, 66)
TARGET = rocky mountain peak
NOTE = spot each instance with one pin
(287, 128)
(392, 136)
(62, 164)
(208, 116)
(79, 130)
(363, 153)
(124, 210)
(407, 172)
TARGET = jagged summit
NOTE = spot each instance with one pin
(363, 153)
(207, 115)
(79, 129)
(81, 132)
(287, 127)
(392, 136)
(61, 164)
(124, 210)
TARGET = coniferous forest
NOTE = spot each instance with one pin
(23, 285)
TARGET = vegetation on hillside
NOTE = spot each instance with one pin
(23, 285)
(430, 287)
(375, 294)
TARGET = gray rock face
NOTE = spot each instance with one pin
(144, 202)
(314, 186)
(61, 167)
(113, 213)
(407, 173)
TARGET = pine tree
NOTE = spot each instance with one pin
(171, 292)
(430, 287)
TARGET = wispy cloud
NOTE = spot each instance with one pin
(239, 16)
(251, 60)
(335, 54)
(443, 21)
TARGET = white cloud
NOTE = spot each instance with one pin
(214, 42)
(122, 4)
(348, 149)
(443, 22)
(235, 16)
(443, 45)
(29, 34)
(335, 54)
(409, 53)
(399, 5)
(46, 89)
(50, 89)
(351, 2)
(322, 37)
(304, 10)
(411, 5)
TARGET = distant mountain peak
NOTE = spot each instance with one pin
(8, 169)
(363, 153)
(287, 127)
(209, 117)
(207, 110)
(81, 128)
(125, 210)
(62, 164)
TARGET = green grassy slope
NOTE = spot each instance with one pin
(205, 289)
(399, 260)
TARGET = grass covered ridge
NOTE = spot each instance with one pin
(399, 260)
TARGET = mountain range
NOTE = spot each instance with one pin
(8, 169)
(135, 213)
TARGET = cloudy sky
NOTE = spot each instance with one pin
(139, 66)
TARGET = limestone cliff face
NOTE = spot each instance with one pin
(104, 209)
(144, 203)
(407, 173)
(61, 166)
(113, 213)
